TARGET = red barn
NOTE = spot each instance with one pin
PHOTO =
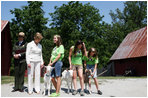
(6, 48)
(131, 54)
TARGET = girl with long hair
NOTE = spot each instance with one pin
(90, 62)
(56, 61)
(76, 54)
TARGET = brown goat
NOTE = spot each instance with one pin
(86, 79)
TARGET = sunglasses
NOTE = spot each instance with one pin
(21, 36)
(93, 51)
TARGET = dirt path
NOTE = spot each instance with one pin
(109, 87)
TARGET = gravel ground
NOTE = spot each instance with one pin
(110, 88)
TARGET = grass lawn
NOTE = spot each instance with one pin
(10, 79)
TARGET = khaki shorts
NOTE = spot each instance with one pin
(77, 67)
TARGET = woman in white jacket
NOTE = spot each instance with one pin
(35, 62)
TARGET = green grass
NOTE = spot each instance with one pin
(6, 79)
(10, 79)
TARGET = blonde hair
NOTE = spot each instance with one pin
(38, 36)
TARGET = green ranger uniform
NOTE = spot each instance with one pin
(19, 64)
(76, 59)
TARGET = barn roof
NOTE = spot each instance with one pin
(3, 24)
(134, 45)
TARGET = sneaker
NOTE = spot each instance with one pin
(74, 92)
(30, 93)
(99, 92)
(82, 93)
(89, 91)
(55, 95)
(52, 94)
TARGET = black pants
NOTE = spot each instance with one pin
(19, 74)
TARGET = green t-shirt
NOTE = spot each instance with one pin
(91, 60)
(56, 51)
(76, 59)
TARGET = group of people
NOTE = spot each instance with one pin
(31, 54)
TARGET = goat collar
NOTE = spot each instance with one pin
(47, 75)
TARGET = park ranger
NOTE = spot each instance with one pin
(19, 51)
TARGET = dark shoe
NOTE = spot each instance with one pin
(21, 90)
(82, 93)
(14, 90)
(99, 92)
(74, 92)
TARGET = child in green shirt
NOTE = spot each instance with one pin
(76, 54)
(56, 62)
(91, 61)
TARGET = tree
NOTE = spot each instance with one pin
(133, 17)
(29, 19)
(74, 21)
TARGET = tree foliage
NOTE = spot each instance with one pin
(75, 21)
(29, 19)
(133, 17)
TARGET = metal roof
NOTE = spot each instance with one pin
(3, 24)
(134, 45)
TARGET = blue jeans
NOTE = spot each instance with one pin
(92, 69)
(56, 72)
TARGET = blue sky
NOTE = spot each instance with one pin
(48, 7)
